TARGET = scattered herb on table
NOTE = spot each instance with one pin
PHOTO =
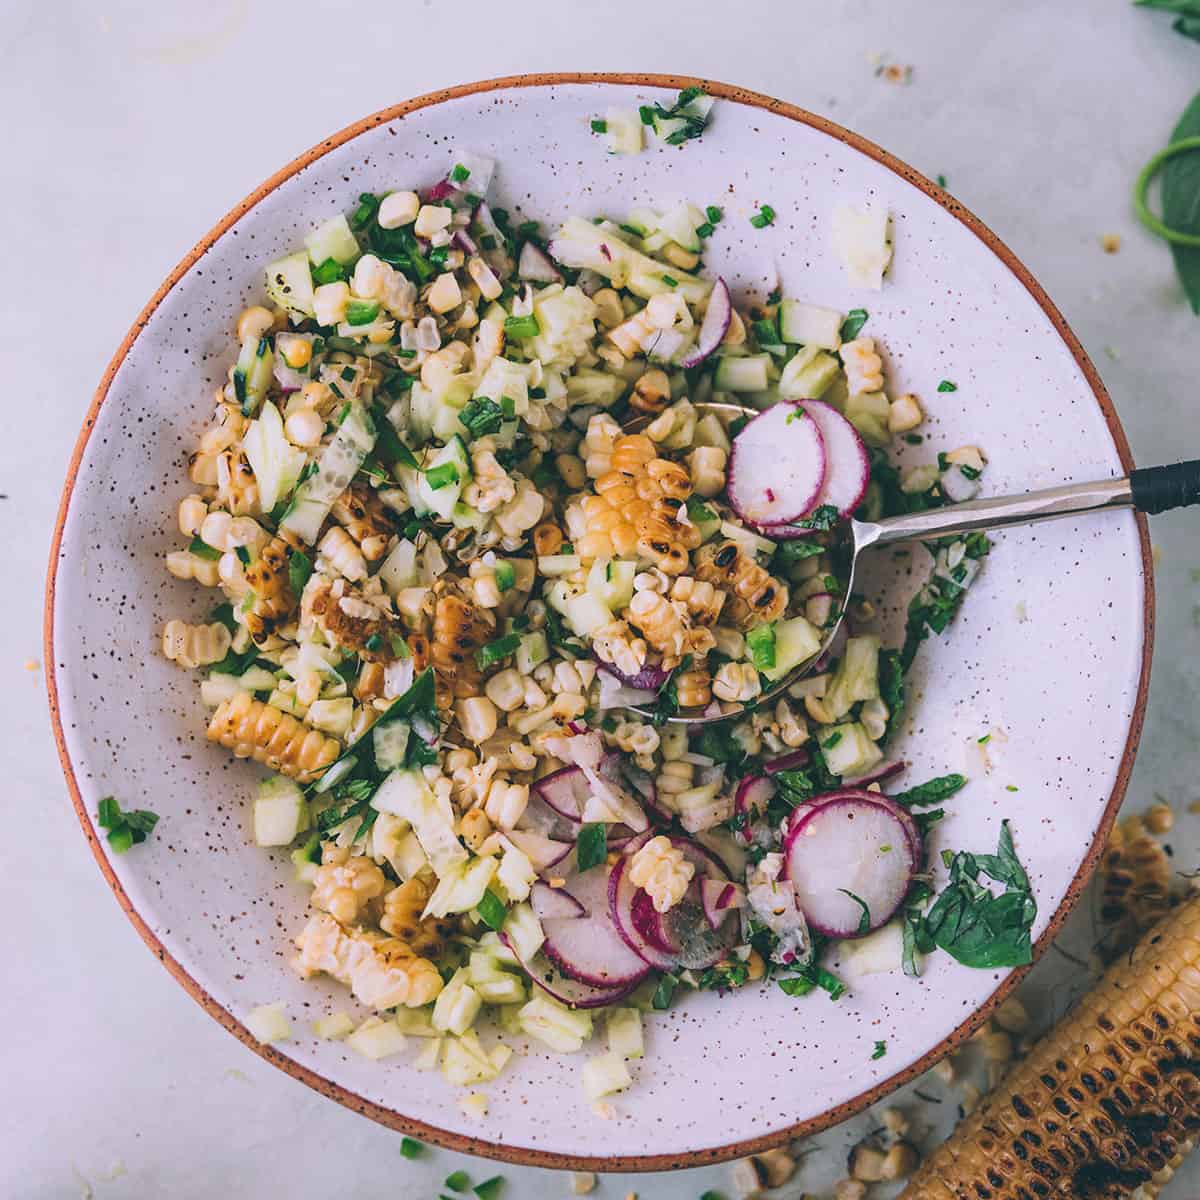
(764, 217)
(879, 1051)
(125, 829)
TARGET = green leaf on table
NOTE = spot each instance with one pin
(1181, 198)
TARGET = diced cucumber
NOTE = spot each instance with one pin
(333, 1027)
(856, 677)
(276, 463)
(460, 888)
(561, 1028)
(810, 325)
(331, 716)
(532, 652)
(586, 386)
(868, 413)
(483, 968)
(457, 1005)
(680, 224)
(748, 538)
(506, 990)
(280, 813)
(796, 641)
(605, 1075)
(442, 500)
(257, 679)
(808, 374)
(625, 1032)
(423, 405)
(252, 373)
(268, 1023)
(399, 569)
(742, 373)
(290, 285)
(524, 930)
(333, 240)
(624, 131)
(554, 565)
(376, 1038)
(216, 689)
(860, 238)
(710, 432)
(644, 220)
(406, 794)
(391, 744)
(466, 517)
(585, 614)
(611, 582)
(851, 752)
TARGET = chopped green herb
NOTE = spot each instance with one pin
(458, 1181)
(521, 327)
(493, 652)
(591, 846)
(760, 641)
(599, 126)
(714, 214)
(224, 614)
(698, 511)
(983, 741)
(410, 1147)
(692, 123)
(646, 112)
(879, 1051)
(492, 910)
(669, 280)
(832, 740)
(201, 549)
(441, 476)
(891, 689)
(481, 417)
(506, 576)
(913, 439)
(823, 517)
(864, 920)
(933, 792)
(361, 312)
(1011, 787)
(125, 829)
(460, 174)
(798, 549)
(661, 999)
(810, 978)
(856, 318)
(243, 555)
(489, 1189)
(941, 181)
(330, 271)
(373, 644)
(764, 217)
(711, 1195)
(299, 569)
(947, 386)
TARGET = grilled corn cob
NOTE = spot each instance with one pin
(1106, 1104)
(1135, 882)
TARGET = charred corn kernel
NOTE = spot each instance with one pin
(255, 322)
(755, 966)
(895, 1122)
(661, 869)
(547, 538)
(329, 302)
(1109, 1095)
(185, 565)
(900, 1161)
(431, 219)
(296, 351)
(735, 335)
(484, 278)
(192, 511)
(402, 909)
(677, 256)
(397, 209)
(477, 718)
(693, 687)
(905, 414)
(343, 890)
(475, 828)
(195, 645)
(506, 690)
(997, 1046)
(1135, 881)
(342, 554)
(506, 803)
(736, 682)
(864, 367)
(758, 596)
(252, 729)
(866, 1163)
(614, 643)
(305, 427)
(816, 709)
(636, 738)
(651, 392)
(583, 1183)
(458, 631)
(444, 294)
(202, 470)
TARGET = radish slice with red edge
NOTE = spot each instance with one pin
(589, 949)
(536, 265)
(543, 853)
(750, 800)
(916, 841)
(720, 899)
(649, 679)
(616, 767)
(885, 770)
(684, 932)
(543, 821)
(554, 904)
(622, 893)
(851, 862)
(497, 257)
(776, 466)
(714, 326)
(566, 791)
(787, 762)
(568, 991)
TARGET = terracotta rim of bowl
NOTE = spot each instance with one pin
(529, 1156)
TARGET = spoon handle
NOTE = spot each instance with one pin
(1150, 490)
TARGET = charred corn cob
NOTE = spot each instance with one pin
(458, 631)
(758, 596)
(1106, 1104)
(252, 729)
(1135, 881)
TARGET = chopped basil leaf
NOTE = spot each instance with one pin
(599, 126)
(947, 386)
(460, 174)
(864, 920)
(760, 641)
(856, 318)
(521, 327)
(491, 910)
(879, 1051)
(493, 652)
(697, 510)
(663, 992)
(482, 416)
(933, 792)
(125, 829)
(823, 517)
(591, 846)
(201, 549)
(299, 569)
(441, 476)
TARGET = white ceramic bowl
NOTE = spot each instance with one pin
(1051, 650)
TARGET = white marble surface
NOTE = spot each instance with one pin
(131, 127)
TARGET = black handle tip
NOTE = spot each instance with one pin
(1156, 489)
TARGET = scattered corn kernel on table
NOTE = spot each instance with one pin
(138, 128)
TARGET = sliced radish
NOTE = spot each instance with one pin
(753, 795)
(567, 991)
(847, 464)
(554, 904)
(714, 326)
(684, 932)
(856, 792)
(566, 791)
(649, 679)
(535, 264)
(622, 893)
(589, 948)
(616, 767)
(776, 466)
(720, 899)
(539, 818)
(497, 257)
(646, 920)
(542, 852)
(852, 845)
(464, 241)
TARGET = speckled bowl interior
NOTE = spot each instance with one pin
(1048, 654)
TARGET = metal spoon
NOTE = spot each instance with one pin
(1149, 490)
